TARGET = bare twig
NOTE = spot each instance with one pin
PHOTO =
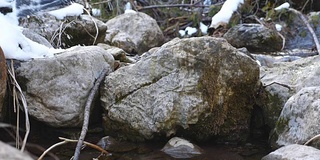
(87, 112)
(50, 148)
(170, 6)
(281, 84)
(66, 140)
(313, 138)
(305, 21)
(95, 25)
(25, 107)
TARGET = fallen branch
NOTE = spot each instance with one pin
(87, 112)
(65, 141)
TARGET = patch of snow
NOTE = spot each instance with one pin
(278, 27)
(285, 5)
(190, 30)
(96, 12)
(203, 28)
(182, 33)
(225, 13)
(4, 3)
(128, 8)
(74, 9)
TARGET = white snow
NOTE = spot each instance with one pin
(16, 46)
(74, 9)
(225, 13)
(203, 28)
(96, 12)
(182, 33)
(4, 3)
(128, 8)
(278, 27)
(190, 30)
(285, 5)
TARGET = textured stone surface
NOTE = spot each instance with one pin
(300, 117)
(255, 37)
(68, 32)
(201, 84)
(10, 153)
(283, 80)
(134, 32)
(56, 88)
(180, 148)
(294, 152)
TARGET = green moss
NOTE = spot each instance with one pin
(303, 34)
(281, 125)
(315, 20)
(214, 10)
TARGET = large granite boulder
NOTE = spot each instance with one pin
(300, 117)
(294, 152)
(203, 85)
(71, 31)
(3, 82)
(285, 79)
(9, 152)
(57, 88)
(255, 37)
(134, 32)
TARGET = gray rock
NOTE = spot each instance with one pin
(294, 152)
(300, 117)
(202, 84)
(255, 37)
(283, 80)
(57, 88)
(11, 153)
(296, 32)
(68, 32)
(180, 148)
(134, 32)
(36, 37)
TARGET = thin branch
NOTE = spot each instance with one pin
(170, 6)
(305, 21)
(50, 148)
(281, 84)
(65, 141)
(25, 107)
(313, 138)
(87, 112)
(95, 25)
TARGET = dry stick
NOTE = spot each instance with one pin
(95, 25)
(315, 38)
(172, 5)
(65, 141)
(87, 112)
(313, 138)
(25, 106)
